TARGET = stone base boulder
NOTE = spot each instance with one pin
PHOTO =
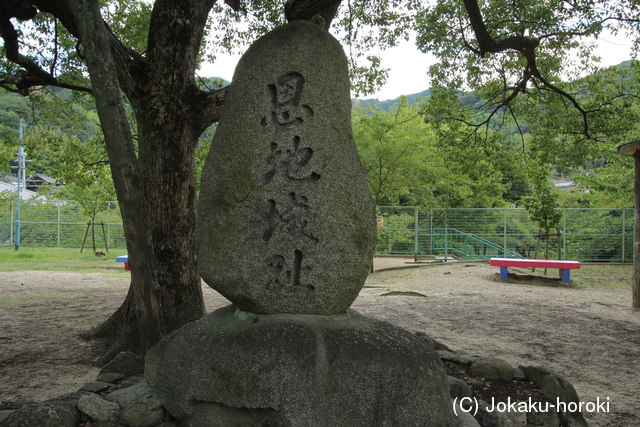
(234, 368)
(60, 411)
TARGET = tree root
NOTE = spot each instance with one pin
(120, 331)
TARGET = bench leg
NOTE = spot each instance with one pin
(504, 274)
(565, 275)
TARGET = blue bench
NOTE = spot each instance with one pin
(125, 259)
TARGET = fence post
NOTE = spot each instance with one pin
(10, 224)
(108, 222)
(624, 232)
(466, 245)
(58, 205)
(446, 234)
(504, 232)
(430, 231)
(415, 234)
(564, 233)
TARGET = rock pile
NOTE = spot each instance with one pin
(119, 397)
(551, 388)
(116, 400)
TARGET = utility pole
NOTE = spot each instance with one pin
(21, 171)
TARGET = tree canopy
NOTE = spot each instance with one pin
(405, 164)
(538, 50)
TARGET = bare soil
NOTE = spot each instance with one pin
(587, 333)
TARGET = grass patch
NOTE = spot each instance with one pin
(24, 255)
(57, 259)
(606, 285)
(27, 300)
(605, 275)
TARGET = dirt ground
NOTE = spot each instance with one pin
(588, 334)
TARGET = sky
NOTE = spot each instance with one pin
(408, 66)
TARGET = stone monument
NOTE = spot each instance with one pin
(287, 232)
(287, 223)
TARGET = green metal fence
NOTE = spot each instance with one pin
(60, 224)
(587, 235)
(584, 234)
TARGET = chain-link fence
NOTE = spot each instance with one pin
(584, 234)
(61, 223)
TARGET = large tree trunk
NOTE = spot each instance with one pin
(166, 103)
(125, 171)
(171, 114)
(165, 151)
(119, 331)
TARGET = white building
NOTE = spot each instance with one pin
(24, 193)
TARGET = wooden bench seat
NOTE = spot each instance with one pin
(565, 267)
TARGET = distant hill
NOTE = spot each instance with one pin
(212, 82)
(387, 104)
(11, 103)
(468, 99)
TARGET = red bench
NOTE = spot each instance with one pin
(565, 267)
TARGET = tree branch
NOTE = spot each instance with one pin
(526, 46)
(125, 58)
(211, 104)
(487, 43)
(32, 74)
(567, 96)
(320, 12)
(19, 9)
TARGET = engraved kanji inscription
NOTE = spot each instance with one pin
(294, 162)
(281, 277)
(285, 95)
(289, 159)
(290, 217)
(275, 266)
